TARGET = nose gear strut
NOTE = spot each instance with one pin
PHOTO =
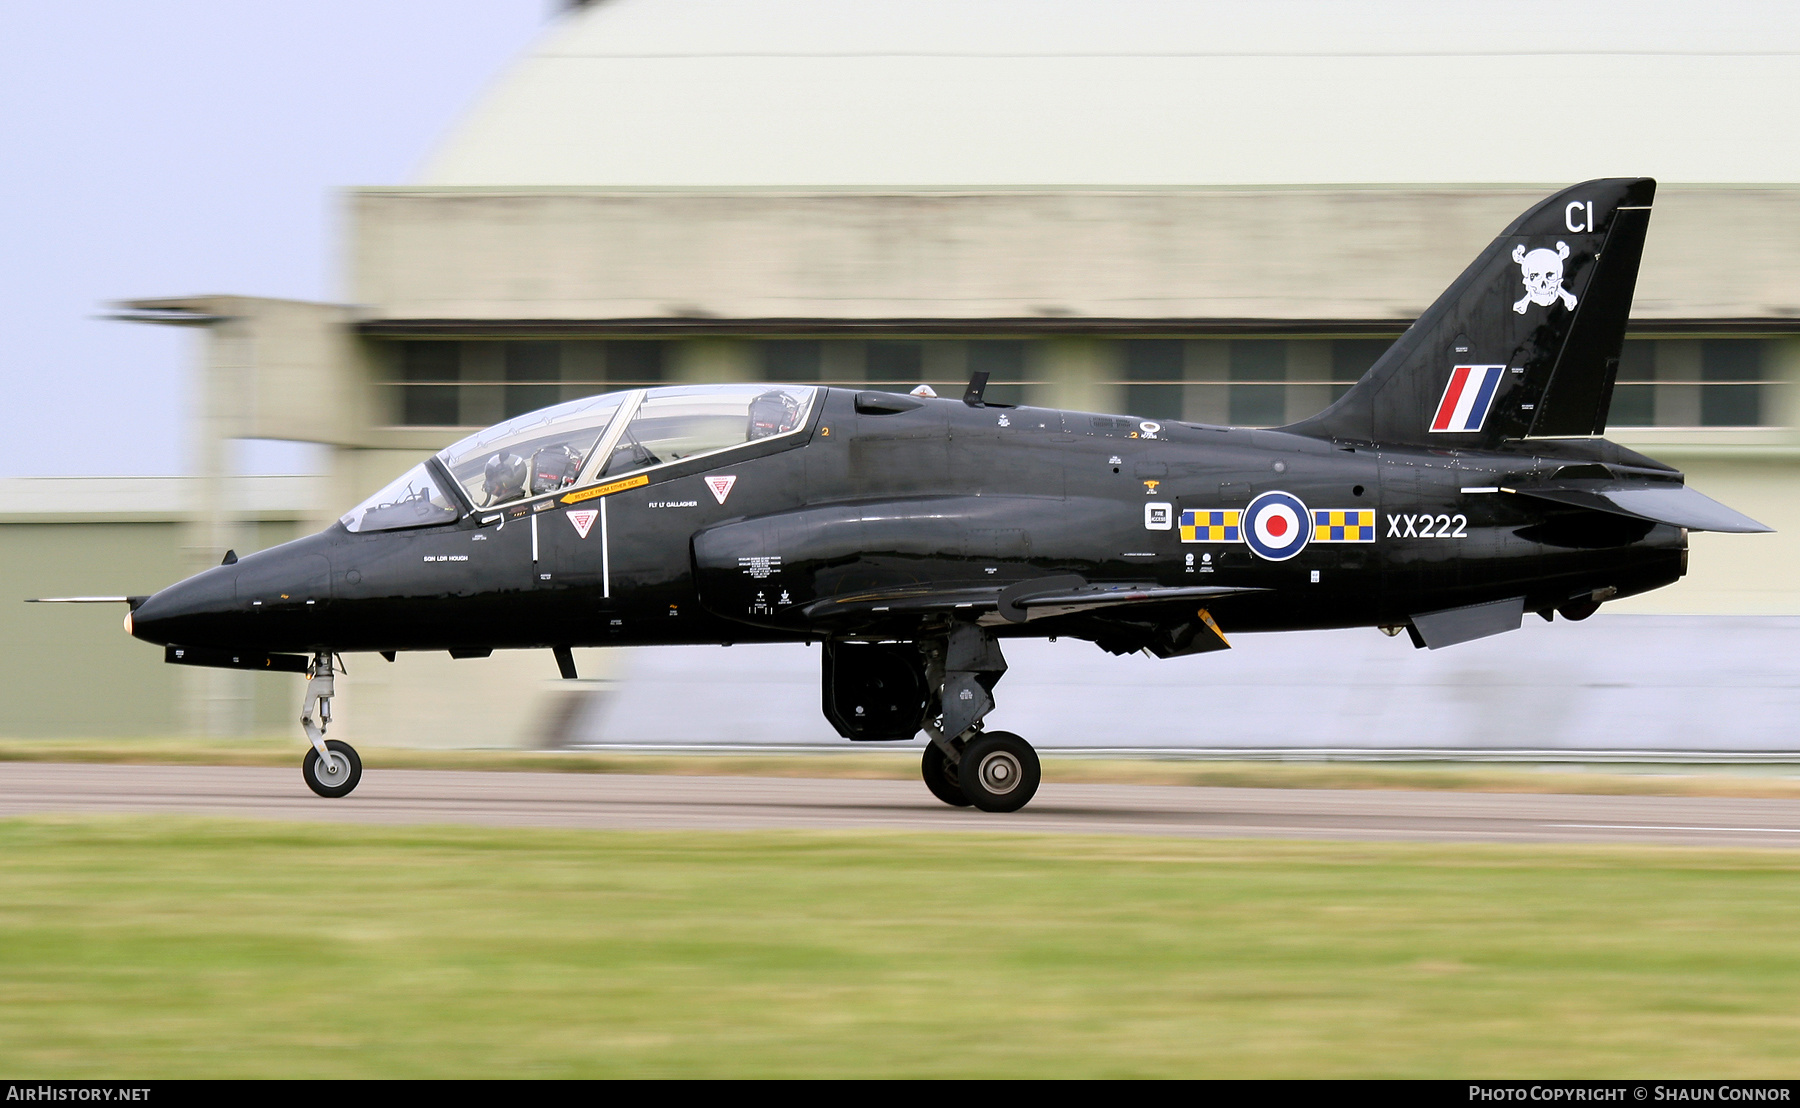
(332, 768)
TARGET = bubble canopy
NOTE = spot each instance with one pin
(490, 466)
(580, 441)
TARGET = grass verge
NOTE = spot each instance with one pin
(154, 947)
(852, 762)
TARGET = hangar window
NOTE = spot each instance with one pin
(1679, 382)
(1257, 382)
(1351, 358)
(894, 363)
(677, 423)
(472, 383)
(532, 454)
(536, 362)
(1003, 360)
(1153, 384)
(429, 396)
(1732, 393)
(792, 360)
(1259, 360)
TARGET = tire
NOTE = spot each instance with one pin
(999, 772)
(332, 785)
(940, 777)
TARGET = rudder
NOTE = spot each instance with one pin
(1524, 343)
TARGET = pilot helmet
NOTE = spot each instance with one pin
(553, 467)
(773, 413)
(504, 478)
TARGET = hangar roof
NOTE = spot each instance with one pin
(1138, 93)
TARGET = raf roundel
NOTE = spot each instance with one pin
(1276, 526)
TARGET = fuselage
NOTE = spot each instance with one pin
(880, 497)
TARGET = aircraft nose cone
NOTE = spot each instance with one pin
(191, 612)
(262, 600)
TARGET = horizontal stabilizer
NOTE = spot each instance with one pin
(1676, 505)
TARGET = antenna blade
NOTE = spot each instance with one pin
(977, 385)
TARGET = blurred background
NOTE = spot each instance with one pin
(260, 260)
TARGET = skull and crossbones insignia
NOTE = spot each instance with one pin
(1542, 271)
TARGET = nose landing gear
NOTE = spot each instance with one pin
(332, 768)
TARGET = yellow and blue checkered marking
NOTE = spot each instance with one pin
(1344, 525)
(1217, 526)
(1329, 525)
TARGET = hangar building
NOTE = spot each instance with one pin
(1199, 210)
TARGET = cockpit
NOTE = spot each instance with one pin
(581, 442)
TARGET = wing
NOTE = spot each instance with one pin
(892, 569)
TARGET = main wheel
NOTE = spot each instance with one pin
(940, 777)
(337, 778)
(999, 772)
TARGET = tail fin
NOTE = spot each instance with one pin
(1525, 342)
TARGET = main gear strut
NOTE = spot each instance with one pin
(994, 771)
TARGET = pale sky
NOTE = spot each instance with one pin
(197, 146)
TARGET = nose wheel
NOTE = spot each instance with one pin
(332, 768)
(335, 774)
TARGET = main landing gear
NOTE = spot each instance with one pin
(891, 690)
(964, 766)
(332, 768)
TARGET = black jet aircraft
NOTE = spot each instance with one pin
(1459, 485)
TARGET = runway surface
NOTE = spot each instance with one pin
(577, 800)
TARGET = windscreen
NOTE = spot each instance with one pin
(414, 500)
(535, 453)
(683, 422)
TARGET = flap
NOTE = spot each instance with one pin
(1089, 598)
(1028, 600)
